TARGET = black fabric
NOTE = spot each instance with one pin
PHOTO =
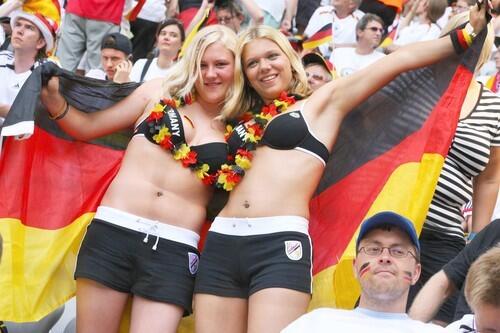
(6, 44)
(214, 153)
(85, 94)
(186, 4)
(144, 32)
(290, 131)
(435, 253)
(285, 132)
(239, 266)
(119, 259)
(306, 8)
(386, 13)
(145, 68)
(456, 270)
(393, 113)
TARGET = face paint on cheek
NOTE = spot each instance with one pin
(365, 268)
(407, 276)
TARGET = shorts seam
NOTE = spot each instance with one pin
(101, 281)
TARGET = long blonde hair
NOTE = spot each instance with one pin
(181, 78)
(245, 97)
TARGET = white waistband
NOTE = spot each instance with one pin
(250, 226)
(147, 226)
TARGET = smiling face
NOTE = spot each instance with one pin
(384, 278)
(169, 39)
(216, 74)
(267, 68)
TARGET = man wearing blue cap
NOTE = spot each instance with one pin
(387, 263)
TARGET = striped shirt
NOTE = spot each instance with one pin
(468, 156)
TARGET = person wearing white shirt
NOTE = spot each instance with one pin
(482, 293)
(369, 31)
(424, 27)
(343, 15)
(169, 38)
(386, 265)
(32, 36)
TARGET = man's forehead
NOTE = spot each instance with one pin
(388, 234)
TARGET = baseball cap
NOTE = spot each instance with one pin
(388, 218)
(47, 26)
(316, 58)
(118, 42)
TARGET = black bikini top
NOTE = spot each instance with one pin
(214, 154)
(285, 131)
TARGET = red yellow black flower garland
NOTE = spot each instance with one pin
(181, 151)
(231, 174)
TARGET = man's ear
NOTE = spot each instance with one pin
(354, 270)
(41, 43)
(416, 275)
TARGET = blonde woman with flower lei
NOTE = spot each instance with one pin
(143, 239)
(255, 271)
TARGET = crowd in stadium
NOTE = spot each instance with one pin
(232, 229)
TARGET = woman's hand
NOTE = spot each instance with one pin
(478, 15)
(51, 98)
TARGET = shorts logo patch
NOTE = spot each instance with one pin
(194, 260)
(293, 250)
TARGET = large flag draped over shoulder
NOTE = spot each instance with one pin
(50, 186)
(388, 156)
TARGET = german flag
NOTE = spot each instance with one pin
(388, 156)
(322, 36)
(389, 39)
(493, 82)
(198, 25)
(50, 188)
(48, 8)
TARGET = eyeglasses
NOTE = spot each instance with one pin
(317, 77)
(224, 19)
(394, 251)
(375, 29)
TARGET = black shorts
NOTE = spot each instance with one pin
(127, 261)
(240, 265)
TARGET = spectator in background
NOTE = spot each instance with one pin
(385, 278)
(6, 29)
(318, 70)
(482, 292)
(187, 10)
(492, 82)
(385, 9)
(369, 32)
(471, 170)
(85, 24)
(451, 277)
(424, 27)
(115, 59)
(32, 36)
(230, 14)
(345, 15)
(169, 39)
(462, 6)
(278, 13)
(145, 27)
